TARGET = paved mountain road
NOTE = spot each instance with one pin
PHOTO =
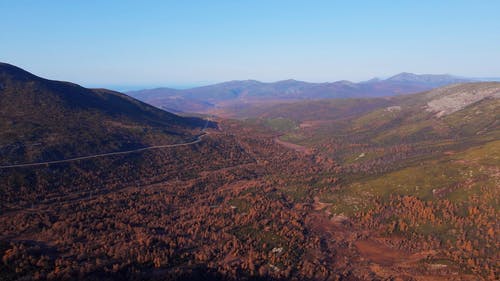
(197, 140)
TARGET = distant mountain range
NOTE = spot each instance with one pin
(43, 120)
(234, 93)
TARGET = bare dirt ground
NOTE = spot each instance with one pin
(318, 205)
(296, 147)
(313, 123)
(374, 254)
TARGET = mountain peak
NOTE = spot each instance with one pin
(345, 83)
(373, 80)
(403, 76)
(433, 79)
(289, 82)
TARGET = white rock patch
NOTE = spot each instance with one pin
(455, 98)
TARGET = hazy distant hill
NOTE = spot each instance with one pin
(46, 120)
(427, 79)
(202, 99)
(463, 114)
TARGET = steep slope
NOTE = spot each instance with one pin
(398, 130)
(237, 93)
(450, 99)
(375, 137)
(434, 111)
(43, 120)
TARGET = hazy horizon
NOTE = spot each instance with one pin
(129, 88)
(167, 43)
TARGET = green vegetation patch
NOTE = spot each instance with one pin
(359, 157)
(241, 205)
(377, 118)
(456, 177)
(295, 137)
(281, 124)
(270, 239)
(487, 154)
(479, 118)
(297, 192)
(419, 180)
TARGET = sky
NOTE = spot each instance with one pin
(133, 44)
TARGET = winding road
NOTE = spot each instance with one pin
(196, 140)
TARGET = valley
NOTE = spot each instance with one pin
(250, 140)
(384, 188)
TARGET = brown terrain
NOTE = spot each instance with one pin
(229, 217)
(385, 191)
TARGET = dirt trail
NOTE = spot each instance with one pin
(372, 249)
(318, 205)
(377, 252)
(372, 253)
(296, 147)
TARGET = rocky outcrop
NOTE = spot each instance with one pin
(446, 100)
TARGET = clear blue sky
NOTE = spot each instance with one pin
(161, 43)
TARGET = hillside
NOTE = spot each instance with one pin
(339, 189)
(42, 120)
(238, 93)
(452, 117)
(421, 167)
(435, 106)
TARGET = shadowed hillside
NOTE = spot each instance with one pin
(43, 120)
